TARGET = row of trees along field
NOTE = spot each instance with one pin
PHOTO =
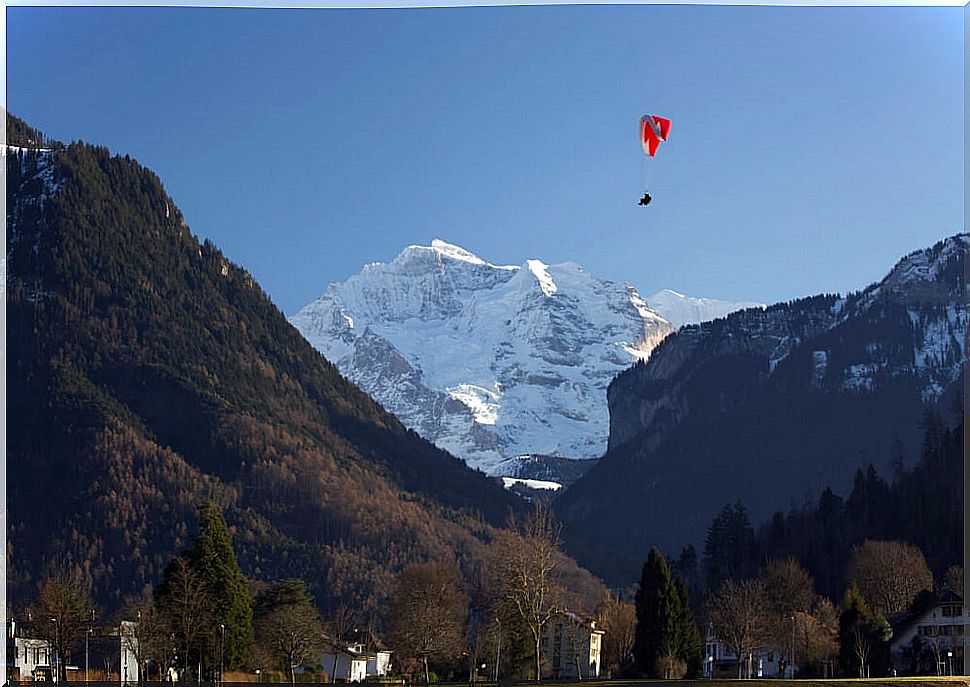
(204, 615)
(824, 580)
(204, 618)
(777, 610)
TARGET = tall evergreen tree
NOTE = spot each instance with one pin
(863, 650)
(654, 608)
(666, 636)
(691, 644)
(215, 560)
(730, 549)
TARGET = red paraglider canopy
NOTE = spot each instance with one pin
(653, 130)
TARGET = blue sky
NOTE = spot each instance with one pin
(810, 148)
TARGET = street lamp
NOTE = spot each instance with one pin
(54, 656)
(949, 656)
(793, 647)
(222, 651)
(87, 638)
(710, 667)
(258, 678)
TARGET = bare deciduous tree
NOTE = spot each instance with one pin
(861, 646)
(288, 626)
(62, 613)
(818, 632)
(789, 595)
(149, 638)
(889, 574)
(529, 555)
(428, 613)
(736, 610)
(618, 619)
(184, 602)
(342, 622)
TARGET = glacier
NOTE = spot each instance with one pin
(679, 309)
(490, 362)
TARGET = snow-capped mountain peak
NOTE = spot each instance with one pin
(487, 361)
(540, 271)
(455, 252)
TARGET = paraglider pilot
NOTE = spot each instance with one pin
(653, 131)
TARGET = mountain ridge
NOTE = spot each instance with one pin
(764, 404)
(489, 361)
(148, 373)
(680, 309)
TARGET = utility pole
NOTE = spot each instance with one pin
(53, 648)
(793, 647)
(222, 651)
(498, 647)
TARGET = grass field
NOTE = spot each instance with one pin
(956, 681)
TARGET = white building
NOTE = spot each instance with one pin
(28, 658)
(113, 653)
(354, 663)
(572, 645)
(378, 664)
(721, 661)
(932, 642)
(129, 652)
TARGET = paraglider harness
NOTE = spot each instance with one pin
(653, 131)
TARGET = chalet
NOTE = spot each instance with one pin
(572, 646)
(932, 641)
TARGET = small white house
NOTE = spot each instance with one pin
(28, 658)
(572, 645)
(114, 652)
(932, 642)
(353, 663)
(721, 661)
(378, 664)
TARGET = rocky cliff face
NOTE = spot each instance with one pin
(912, 325)
(768, 405)
(487, 361)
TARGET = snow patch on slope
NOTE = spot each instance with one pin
(531, 483)
(541, 272)
(486, 361)
(679, 309)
